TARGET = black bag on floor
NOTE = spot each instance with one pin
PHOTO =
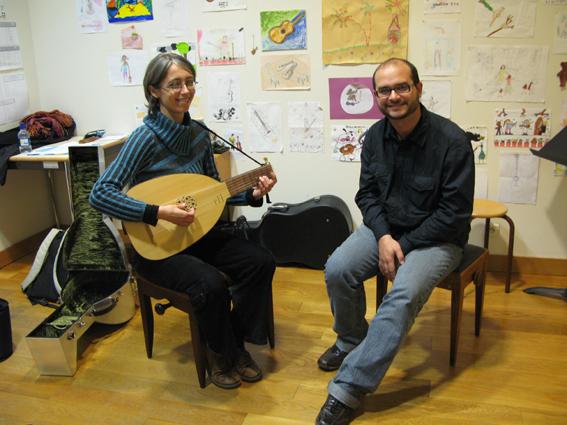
(304, 234)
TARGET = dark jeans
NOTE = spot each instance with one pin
(215, 270)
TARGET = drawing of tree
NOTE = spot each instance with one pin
(341, 17)
(367, 9)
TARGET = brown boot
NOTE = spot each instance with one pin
(247, 368)
(222, 372)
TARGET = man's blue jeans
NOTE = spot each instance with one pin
(372, 348)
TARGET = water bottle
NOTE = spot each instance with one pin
(24, 138)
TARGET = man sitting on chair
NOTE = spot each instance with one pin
(416, 197)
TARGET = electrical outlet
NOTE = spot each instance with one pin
(494, 227)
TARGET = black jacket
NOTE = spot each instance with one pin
(419, 190)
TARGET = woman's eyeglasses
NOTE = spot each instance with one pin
(178, 85)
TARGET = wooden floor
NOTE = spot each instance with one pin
(514, 373)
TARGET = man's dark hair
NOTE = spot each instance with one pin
(411, 66)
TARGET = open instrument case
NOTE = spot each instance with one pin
(99, 288)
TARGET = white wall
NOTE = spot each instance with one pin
(70, 74)
(24, 201)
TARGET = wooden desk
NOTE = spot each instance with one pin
(52, 158)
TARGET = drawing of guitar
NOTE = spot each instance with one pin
(280, 33)
(207, 195)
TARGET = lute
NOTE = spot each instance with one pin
(207, 195)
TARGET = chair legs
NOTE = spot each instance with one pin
(479, 285)
(510, 256)
(199, 353)
(271, 331)
(147, 322)
(457, 297)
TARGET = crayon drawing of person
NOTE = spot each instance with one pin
(125, 70)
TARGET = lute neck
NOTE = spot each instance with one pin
(246, 180)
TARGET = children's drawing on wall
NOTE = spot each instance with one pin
(172, 16)
(505, 18)
(441, 6)
(265, 126)
(364, 31)
(127, 67)
(436, 96)
(129, 10)
(221, 47)
(512, 73)
(352, 98)
(560, 36)
(187, 49)
(131, 38)
(222, 5)
(283, 29)
(522, 128)
(223, 90)
(91, 15)
(235, 135)
(478, 136)
(285, 72)
(305, 123)
(442, 47)
(347, 141)
(518, 178)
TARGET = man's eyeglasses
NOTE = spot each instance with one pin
(178, 85)
(403, 88)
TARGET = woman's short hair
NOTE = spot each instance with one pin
(156, 72)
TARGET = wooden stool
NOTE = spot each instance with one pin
(472, 268)
(487, 209)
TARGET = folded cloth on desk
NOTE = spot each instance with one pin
(49, 127)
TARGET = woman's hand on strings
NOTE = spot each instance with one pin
(264, 185)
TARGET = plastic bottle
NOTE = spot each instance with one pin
(24, 138)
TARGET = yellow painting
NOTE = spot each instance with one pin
(364, 31)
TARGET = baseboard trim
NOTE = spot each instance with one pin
(22, 248)
(496, 263)
(529, 265)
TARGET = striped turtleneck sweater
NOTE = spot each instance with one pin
(158, 147)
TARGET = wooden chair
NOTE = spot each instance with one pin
(472, 269)
(182, 301)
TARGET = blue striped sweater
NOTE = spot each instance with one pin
(158, 147)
